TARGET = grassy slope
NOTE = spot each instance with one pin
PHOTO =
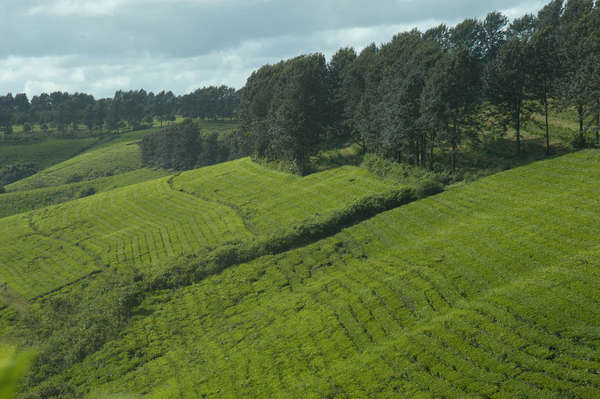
(43, 153)
(104, 161)
(114, 155)
(143, 224)
(270, 201)
(487, 290)
(23, 201)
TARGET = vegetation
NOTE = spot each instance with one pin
(424, 95)
(43, 153)
(23, 201)
(99, 162)
(389, 263)
(182, 147)
(138, 226)
(383, 308)
(65, 114)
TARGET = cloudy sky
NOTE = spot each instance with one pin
(99, 46)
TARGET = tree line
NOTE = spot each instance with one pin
(423, 91)
(66, 111)
(183, 146)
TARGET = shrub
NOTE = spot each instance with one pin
(427, 187)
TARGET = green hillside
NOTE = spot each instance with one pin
(43, 153)
(141, 225)
(269, 201)
(487, 290)
(105, 161)
(22, 201)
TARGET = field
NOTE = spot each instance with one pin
(107, 160)
(43, 153)
(450, 296)
(142, 225)
(270, 202)
(23, 201)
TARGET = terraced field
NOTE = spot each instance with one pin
(107, 160)
(22, 201)
(142, 225)
(271, 201)
(487, 290)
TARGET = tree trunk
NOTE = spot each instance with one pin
(518, 126)
(547, 125)
(581, 121)
(598, 123)
(424, 151)
(454, 146)
(431, 148)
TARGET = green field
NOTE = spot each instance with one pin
(270, 202)
(141, 225)
(23, 201)
(487, 290)
(43, 153)
(107, 160)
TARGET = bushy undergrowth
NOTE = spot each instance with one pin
(66, 328)
(401, 172)
(16, 171)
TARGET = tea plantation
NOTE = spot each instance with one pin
(139, 226)
(487, 290)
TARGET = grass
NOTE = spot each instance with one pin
(22, 201)
(112, 155)
(107, 160)
(142, 225)
(43, 153)
(487, 290)
(269, 201)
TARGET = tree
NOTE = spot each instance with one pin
(506, 82)
(576, 26)
(546, 59)
(451, 96)
(341, 83)
(6, 113)
(298, 116)
(470, 34)
(493, 35)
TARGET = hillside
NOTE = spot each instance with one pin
(486, 290)
(22, 201)
(138, 226)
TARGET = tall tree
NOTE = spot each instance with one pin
(493, 34)
(341, 91)
(298, 116)
(506, 83)
(546, 59)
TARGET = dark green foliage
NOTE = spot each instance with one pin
(71, 327)
(285, 108)
(16, 171)
(63, 113)
(506, 83)
(183, 147)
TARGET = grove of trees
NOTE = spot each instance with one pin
(134, 107)
(426, 90)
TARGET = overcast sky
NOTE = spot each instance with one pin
(99, 46)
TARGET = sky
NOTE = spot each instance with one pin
(100, 46)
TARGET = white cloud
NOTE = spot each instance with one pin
(96, 8)
(154, 45)
(63, 8)
(530, 7)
